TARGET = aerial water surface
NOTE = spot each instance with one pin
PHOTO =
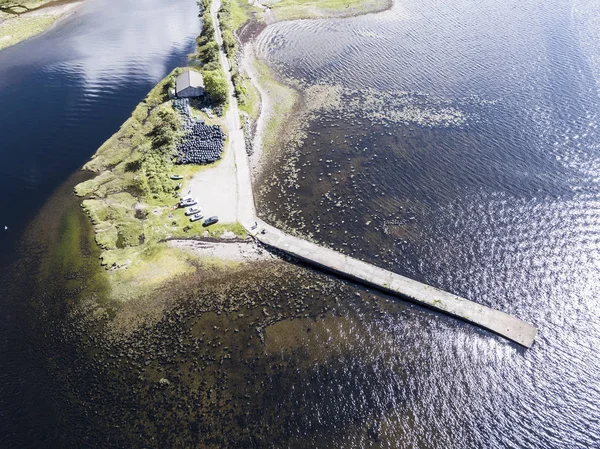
(457, 143)
(61, 95)
(454, 142)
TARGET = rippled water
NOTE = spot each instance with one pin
(461, 149)
(61, 95)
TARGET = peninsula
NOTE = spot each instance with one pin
(135, 198)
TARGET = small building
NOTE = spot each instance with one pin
(189, 84)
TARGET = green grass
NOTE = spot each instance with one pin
(251, 105)
(218, 229)
(17, 29)
(145, 267)
(307, 9)
(242, 11)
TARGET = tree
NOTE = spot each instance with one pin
(215, 85)
(229, 42)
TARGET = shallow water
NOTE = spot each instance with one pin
(61, 95)
(462, 151)
(472, 179)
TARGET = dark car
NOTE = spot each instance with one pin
(210, 221)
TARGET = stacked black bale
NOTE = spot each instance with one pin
(201, 144)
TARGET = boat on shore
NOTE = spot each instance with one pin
(176, 177)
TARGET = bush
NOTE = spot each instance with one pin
(215, 85)
(133, 166)
(230, 43)
(209, 53)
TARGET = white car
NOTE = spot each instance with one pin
(196, 217)
(193, 210)
(185, 198)
(188, 202)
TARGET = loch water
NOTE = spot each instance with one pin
(61, 95)
(454, 142)
(457, 143)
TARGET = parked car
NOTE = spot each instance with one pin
(193, 210)
(196, 217)
(210, 221)
(188, 202)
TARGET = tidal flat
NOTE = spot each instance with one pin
(198, 361)
(476, 181)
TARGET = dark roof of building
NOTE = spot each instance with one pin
(189, 78)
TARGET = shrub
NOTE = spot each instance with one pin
(230, 43)
(215, 85)
(209, 53)
(133, 166)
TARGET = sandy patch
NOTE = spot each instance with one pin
(234, 251)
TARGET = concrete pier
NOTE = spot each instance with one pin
(499, 322)
(345, 266)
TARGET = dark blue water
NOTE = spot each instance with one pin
(61, 95)
(64, 93)
(462, 149)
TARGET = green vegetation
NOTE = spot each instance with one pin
(215, 85)
(207, 47)
(20, 7)
(20, 21)
(308, 9)
(208, 56)
(217, 230)
(131, 199)
(18, 29)
(238, 13)
(234, 14)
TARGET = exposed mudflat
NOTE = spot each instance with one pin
(233, 251)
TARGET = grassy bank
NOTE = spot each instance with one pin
(233, 15)
(131, 200)
(315, 9)
(22, 20)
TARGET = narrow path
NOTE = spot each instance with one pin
(245, 197)
(496, 321)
